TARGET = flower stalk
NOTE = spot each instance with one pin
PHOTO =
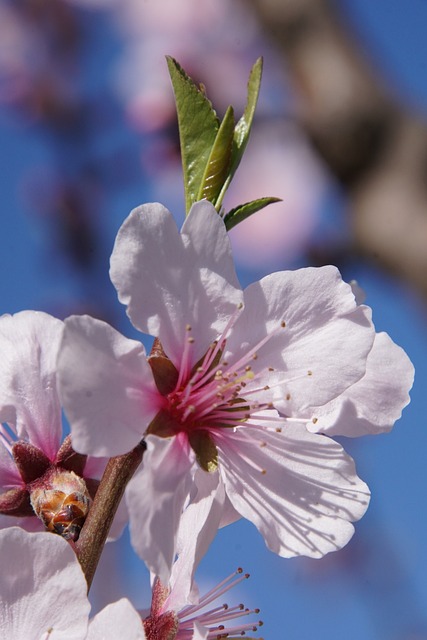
(118, 472)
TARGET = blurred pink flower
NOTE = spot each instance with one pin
(281, 164)
(216, 42)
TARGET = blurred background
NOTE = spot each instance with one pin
(88, 131)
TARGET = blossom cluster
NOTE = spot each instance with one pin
(236, 403)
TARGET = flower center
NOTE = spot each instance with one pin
(220, 621)
(213, 394)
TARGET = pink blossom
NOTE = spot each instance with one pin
(43, 594)
(37, 470)
(238, 375)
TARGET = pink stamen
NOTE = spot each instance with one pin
(216, 395)
(184, 368)
(215, 618)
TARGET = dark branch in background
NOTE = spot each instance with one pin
(374, 146)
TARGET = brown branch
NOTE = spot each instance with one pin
(373, 145)
(118, 472)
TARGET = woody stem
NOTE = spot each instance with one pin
(118, 472)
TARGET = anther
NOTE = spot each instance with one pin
(188, 327)
(266, 388)
(255, 356)
(278, 429)
(314, 420)
(288, 396)
(309, 373)
(283, 324)
(190, 340)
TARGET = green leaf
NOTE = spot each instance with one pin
(198, 126)
(243, 127)
(218, 165)
(243, 211)
(205, 449)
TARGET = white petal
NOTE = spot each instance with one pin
(323, 347)
(29, 523)
(198, 526)
(229, 514)
(9, 474)
(200, 632)
(42, 588)
(106, 387)
(299, 489)
(117, 620)
(29, 343)
(168, 280)
(375, 402)
(155, 497)
(120, 521)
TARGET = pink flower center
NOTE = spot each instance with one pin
(220, 621)
(210, 395)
